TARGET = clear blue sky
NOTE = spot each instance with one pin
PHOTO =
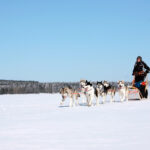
(66, 40)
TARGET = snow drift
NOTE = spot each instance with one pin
(36, 122)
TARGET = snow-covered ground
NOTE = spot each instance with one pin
(36, 122)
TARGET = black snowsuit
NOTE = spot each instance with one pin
(139, 67)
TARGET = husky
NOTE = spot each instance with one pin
(123, 91)
(82, 90)
(88, 90)
(109, 90)
(70, 93)
(100, 92)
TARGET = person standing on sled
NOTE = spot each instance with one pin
(140, 72)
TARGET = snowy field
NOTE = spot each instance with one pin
(36, 122)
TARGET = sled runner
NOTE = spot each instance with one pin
(139, 90)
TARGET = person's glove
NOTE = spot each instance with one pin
(147, 71)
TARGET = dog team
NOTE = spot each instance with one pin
(89, 93)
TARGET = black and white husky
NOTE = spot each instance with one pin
(100, 92)
(104, 89)
(123, 91)
(87, 89)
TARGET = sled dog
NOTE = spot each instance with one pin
(109, 90)
(123, 91)
(100, 92)
(71, 93)
(88, 90)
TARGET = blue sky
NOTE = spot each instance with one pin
(66, 40)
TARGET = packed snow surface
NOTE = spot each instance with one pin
(36, 122)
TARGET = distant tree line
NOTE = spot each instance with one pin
(22, 87)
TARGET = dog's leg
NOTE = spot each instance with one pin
(83, 95)
(90, 103)
(71, 102)
(122, 100)
(97, 100)
(113, 97)
(90, 100)
(127, 95)
(62, 101)
(87, 100)
(122, 97)
(77, 100)
(83, 98)
(111, 100)
(103, 98)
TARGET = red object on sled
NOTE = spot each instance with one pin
(144, 83)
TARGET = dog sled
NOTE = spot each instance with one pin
(138, 90)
